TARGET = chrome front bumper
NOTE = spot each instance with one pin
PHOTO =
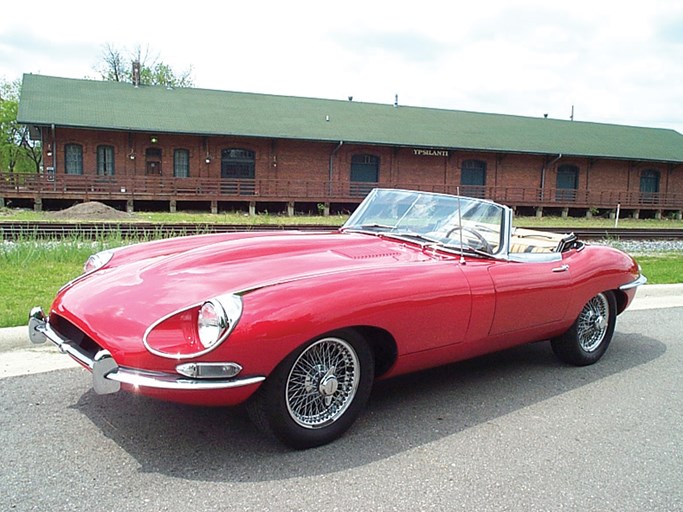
(634, 284)
(108, 375)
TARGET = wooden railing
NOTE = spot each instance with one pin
(89, 187)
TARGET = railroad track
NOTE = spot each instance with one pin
(18, 230)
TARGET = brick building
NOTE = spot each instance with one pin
(153, 147)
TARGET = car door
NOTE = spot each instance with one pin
(530, 293)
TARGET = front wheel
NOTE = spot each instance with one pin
(589, 336)
(317, 392)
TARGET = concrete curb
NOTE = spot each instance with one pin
(651, 296)
(13, 338)
(659, 290)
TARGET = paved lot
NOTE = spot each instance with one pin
(512, 431)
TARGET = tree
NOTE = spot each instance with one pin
(117, 65)
(17, 152)
(113, 65)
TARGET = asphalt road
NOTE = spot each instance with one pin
(512, 431)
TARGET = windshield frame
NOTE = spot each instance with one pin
(440, 221)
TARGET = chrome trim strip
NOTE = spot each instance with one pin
(138, 378)
(175, 356)
(634, 284)
(141, 378)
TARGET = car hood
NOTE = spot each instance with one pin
(129, 297)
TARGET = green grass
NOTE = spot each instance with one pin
(31, 273)
(596, 222)
(7, 214)
(664, 268)
(28, 287)
(240, 218)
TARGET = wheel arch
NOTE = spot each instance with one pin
(383, 346)
(622, 300)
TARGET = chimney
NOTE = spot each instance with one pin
(136, 73)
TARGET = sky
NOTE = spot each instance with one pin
(607, 61)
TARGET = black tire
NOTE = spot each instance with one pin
(589, 336)
(317, 392)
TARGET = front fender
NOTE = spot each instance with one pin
(421, 305)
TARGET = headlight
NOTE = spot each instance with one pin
(217, 317)
(97, 261)
(212, 323)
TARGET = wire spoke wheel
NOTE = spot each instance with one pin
(316, 393)
(587, 339)
(322, 383)
(592, 323)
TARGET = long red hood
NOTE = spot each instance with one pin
(144, 283)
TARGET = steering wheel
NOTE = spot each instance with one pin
(484, 245)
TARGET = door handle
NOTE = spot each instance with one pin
(561, 268)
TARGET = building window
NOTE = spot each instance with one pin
(73, 159)
(181, 163)
(238, 170)
(649, 186)
(473, 178)
(364, 174)
(567, 182)
(105, 160)
(153, 161)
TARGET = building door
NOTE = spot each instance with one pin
(364, 174)
(153, 161)
(567, 182)
(473, 178)
(238, 171)
(105, 160)
(649, 186)
(73, 159)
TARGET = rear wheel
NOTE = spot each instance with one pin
(589, 336)
(317, 392)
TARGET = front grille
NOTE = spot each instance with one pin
(76, 337)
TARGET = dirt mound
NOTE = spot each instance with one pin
(92, 210)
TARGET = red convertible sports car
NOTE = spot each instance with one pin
(298, 325)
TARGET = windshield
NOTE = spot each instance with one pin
(449, 221)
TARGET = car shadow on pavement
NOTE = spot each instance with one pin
(220, 444)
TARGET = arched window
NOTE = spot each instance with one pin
(238, 169)
(181, 163)
(73, 159)
(567, 182)
(649, 185)
(364, 174)
(473, 178)
(105, 160)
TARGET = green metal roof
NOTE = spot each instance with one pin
(121, 106)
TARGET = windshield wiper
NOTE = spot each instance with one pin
(439, 244)
(465, 248)
(418, 236)
(365, 227)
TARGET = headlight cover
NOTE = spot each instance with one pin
(216, 318)
(211, 323)
(97, 261)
